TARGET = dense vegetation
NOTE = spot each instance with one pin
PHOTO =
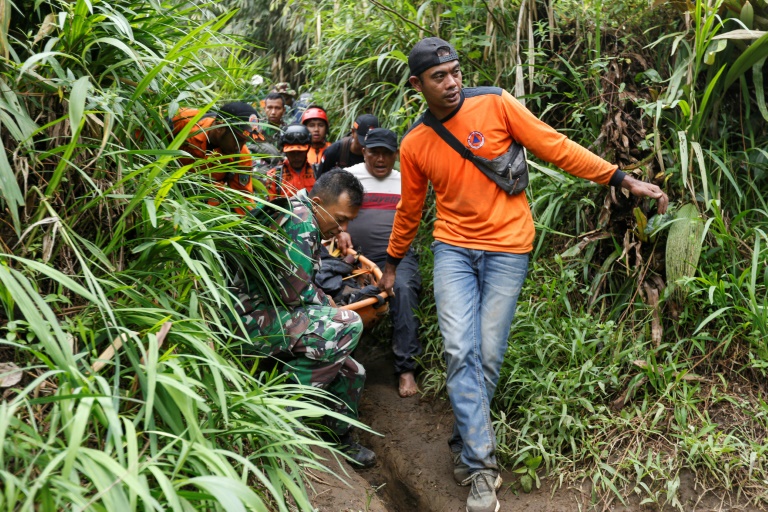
(639, 348)
(123, 388)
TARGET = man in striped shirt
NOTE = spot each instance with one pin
(371, 231)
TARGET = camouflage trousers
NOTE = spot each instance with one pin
(317, 341)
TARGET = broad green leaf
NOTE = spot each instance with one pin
(642, 222)
(757, 75)
(526, 482)
(77, 99)
(130, 52)
(39, 315)
(75, 431)
(747, 15)
(34, 59)
(119, 475)
(399, 55)
(233, 496)
(149, 204)
(710, 318)
(9, 188)
(13, 115)
(714, 47)
(57, 276)
(756, 52)
(533, 462)
(702, 169)
(166, 486)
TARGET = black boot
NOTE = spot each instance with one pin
(359, 456)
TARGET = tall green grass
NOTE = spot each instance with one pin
(116, 298)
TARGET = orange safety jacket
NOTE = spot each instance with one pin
(198, 145)
(314, 155)
(284, 181)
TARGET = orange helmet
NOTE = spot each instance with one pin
(314, 113)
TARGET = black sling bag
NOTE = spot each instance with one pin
(509, 171)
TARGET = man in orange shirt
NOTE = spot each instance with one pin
(316, 120)
(482, 239)
(294, 173)
(219, 133)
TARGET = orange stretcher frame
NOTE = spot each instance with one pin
(371, 309)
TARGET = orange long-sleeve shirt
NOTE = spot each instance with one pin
(472, 211)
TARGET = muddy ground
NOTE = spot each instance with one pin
(414, 470)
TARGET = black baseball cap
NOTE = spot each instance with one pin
(381, 138)
(364, 123)
(424, 54)
(242, 116)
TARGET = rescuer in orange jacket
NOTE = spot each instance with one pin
(316, 120)
(219, 133)
(294, 173)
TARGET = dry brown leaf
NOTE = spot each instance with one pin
(10, 375)
(109, 353)
(652, 299)
(48, 26)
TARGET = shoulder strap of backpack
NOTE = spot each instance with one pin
(346, 145)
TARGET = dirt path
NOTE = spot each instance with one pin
(414, 471)
(415, 463)
(354, 494)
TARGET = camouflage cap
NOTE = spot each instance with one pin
(284, 88)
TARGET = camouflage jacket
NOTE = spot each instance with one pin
(295, 284)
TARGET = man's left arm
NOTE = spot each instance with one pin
(552, 146)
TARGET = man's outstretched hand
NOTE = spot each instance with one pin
(643, 189)
(387, 281)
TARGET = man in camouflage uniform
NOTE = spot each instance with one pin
(306, 325)
(285, 90)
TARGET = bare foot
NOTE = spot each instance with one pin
(408, 386)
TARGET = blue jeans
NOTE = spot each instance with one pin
(476, 294)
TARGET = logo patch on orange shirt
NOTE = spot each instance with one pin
(476, 140)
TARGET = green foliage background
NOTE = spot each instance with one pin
(126, 388)
(621, 369)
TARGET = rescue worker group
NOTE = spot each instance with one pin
(350, 194)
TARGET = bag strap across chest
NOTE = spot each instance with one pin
(509, 171)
